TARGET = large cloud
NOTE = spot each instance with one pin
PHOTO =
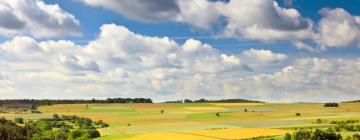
(143, 10)
(338, 28)
(35, 18)
(311, 79)
(122, 63)
(264, 20)
(268, 21)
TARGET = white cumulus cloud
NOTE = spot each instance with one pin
(37, 19)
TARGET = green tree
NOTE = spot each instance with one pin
(93, 133)
(56, 117)
(287, 136)
(19, 120)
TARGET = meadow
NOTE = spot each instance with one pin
(202, 121)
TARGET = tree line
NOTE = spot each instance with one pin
(331, 105)
(40, 102)
(214, 101)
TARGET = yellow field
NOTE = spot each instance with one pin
(64, 108)
(206, 108)
(237, 104)
(169, 136)
(237, 133)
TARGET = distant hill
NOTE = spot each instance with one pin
(215, 101)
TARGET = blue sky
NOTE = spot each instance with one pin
(174, 49)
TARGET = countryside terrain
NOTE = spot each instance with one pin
(206, 121)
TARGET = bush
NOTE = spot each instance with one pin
(19, 120)
(331, 105)
(316, 135)
(287, 136)
(76, 133)
(217, 114)
(56, 117)
(297, 114)
(93, 133)
(11, 131)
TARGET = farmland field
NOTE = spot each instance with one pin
(203, 121)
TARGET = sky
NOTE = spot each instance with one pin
(268, 50)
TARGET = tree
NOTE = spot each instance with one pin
(297, 114)
(19, 120)
(44, 125)
(162, 111)
(245, 110)
(217, 114)
(76, 133)
(331, 105)
(93, 133)
(287, 136)
(56, 117)
(11, 131)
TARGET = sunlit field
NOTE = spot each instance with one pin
(203, 121)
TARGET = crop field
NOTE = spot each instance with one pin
(201, 121)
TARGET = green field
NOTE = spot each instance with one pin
(188, 121)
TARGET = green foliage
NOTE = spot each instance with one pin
(57, 128)
(287, 136)
(315, 135)
(217, 114)
(56, 117)
(83, 122)
(11, 131)
(331, 105)
(101, 123)
(19, 120)
(93, 133)
(297, 114)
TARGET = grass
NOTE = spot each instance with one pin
(146, 120)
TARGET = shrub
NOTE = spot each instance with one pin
(56, 117)
(331, 105)
(287, 136)
(217, 114)
(93, 133)
(297, 114)
(19, 120)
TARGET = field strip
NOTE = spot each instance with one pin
(201, 135)
(206, 108)
(236, 104)
(238, 133)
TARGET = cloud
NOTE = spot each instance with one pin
(78, 63)
(122, 63)
(264, 55)
(268, 21)
(311, 79)
(200, 14)
(303, 46)
(142, 10)
(338, 28)
(37, 19)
